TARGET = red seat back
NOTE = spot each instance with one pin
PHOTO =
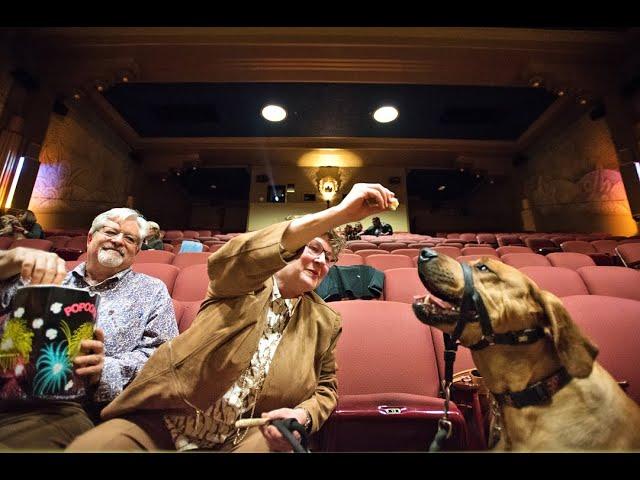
(77, 243)
(188, 312)
(518, 260)
(578, 246)
(402, 284)
(453, 252)
(398, 348)
(347, 259)
(560, 281)
(153, 256)
(59, 241)
(612, 281)
(629, 253)
(365, 252)
(390, 246)
(385, 262)
(191, 284)
(166, 273)
(479, 251)
(5, 242)
(35, 243)
(612, 324)
(182, 260)
(513, 249)
(570, 260)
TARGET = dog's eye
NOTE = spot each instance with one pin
(482, 267)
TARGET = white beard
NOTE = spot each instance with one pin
(110, 258)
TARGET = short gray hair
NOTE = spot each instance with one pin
(120, 215)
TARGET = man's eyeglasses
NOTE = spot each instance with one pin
(126, 237)
(316, 249)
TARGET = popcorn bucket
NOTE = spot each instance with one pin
(40, 338)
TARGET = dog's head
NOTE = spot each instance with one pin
(513, 302)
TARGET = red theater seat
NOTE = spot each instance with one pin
(188, 312)
(612, 324)
(396, 408)
(513, 249)
(612, 281)
(570, 260)
(182, 260)
(5, 242)
(166, 273)
(347, 259)
(402, 284)
(191, 284)
(518, 260)
(629, 253)
(153, 256)
(385, 262)
(560, 281)
(35, 243)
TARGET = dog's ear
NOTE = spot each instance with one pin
(576, 352)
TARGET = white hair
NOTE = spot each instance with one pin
(120, 215)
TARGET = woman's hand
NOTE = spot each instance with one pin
(277, 443)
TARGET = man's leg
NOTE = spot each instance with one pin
(135, 433)
(48, 427)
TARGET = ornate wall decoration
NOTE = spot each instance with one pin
(575, 176)
(600, 191)
(81, 167)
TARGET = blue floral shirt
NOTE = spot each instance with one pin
(136, 314)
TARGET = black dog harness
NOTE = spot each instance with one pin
(472, 309)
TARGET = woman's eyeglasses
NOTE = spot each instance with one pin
(316, 249)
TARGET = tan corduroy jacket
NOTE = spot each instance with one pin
(190, 372)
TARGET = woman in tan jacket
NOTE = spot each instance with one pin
(262, 344)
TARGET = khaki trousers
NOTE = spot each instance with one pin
(50, 426)
(147, 432)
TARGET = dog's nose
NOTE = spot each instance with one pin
(427, 254)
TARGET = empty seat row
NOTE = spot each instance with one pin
(407, 356)
(403, 284)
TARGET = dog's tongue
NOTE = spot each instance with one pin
(431, 298)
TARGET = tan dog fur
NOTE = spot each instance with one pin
(591, 413)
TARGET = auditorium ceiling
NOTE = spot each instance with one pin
(460, 92)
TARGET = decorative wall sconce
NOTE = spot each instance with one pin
(328, 187)
(328, 182)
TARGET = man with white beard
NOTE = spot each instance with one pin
(135, 316)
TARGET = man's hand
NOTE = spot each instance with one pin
(92, 362)
(277, 443)
(365, 199)
(34, 266)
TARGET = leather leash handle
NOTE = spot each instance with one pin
(286, 427)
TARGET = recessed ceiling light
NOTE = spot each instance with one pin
(274, 113)
(385, 114)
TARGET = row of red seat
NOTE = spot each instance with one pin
(407, 358)
(385, 261)
(189, 284)
(403, 284)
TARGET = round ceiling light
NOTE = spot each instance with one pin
(274, 113)
(385, 114)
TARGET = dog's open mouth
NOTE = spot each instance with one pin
(431, 309)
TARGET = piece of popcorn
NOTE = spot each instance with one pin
(393, 203)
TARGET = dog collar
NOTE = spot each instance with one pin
(536, 394)
(518, 337)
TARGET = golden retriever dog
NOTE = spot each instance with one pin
(528, 344)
